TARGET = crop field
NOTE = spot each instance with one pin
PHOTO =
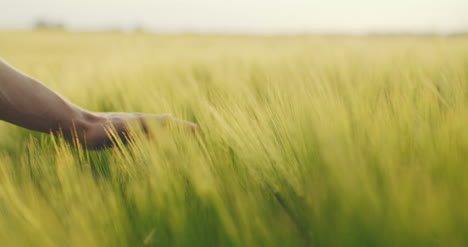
(302, 141)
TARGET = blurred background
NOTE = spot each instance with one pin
(240, 16)
(305, 140)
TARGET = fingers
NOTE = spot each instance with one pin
(166, 119)
(163, 118)
(192, 126)
(97, 135)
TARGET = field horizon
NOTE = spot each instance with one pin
(303, 141)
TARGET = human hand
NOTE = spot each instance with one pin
(97, 135)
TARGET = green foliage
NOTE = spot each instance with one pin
(303, 141)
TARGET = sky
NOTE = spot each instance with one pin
(243, 16)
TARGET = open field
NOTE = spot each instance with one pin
(304, 141)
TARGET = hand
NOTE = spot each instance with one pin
(96, 136)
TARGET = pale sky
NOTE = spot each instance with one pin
(251, 16)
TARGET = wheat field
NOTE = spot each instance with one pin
(302, 141)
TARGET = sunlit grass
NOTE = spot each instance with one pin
(303, 141)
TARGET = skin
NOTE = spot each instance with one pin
(26, 102)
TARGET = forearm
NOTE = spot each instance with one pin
(26, 102)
